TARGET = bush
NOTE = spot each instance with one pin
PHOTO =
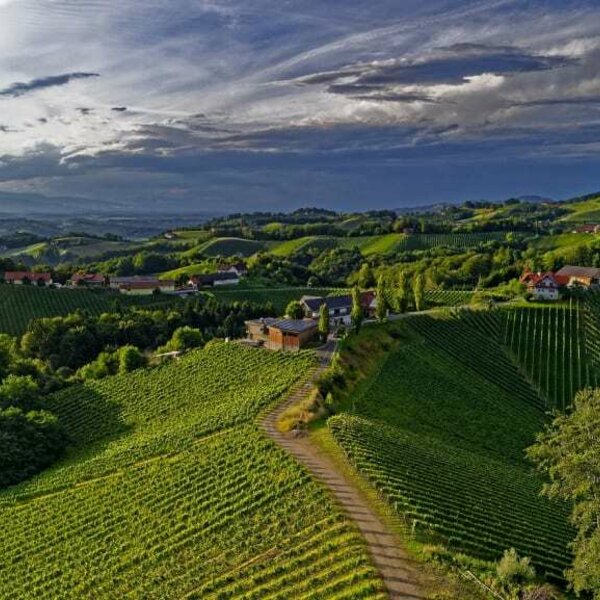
(514, 570)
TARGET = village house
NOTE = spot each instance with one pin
(340, 307)
(588, 228)
(25, 277)
(215, 279)
(587, 277)
(141, 286)
(282, 334)
(543, 286)
(239, 268)
(87, 280)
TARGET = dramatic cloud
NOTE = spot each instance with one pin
(18, 89)
(221, 97)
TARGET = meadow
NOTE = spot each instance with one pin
(440, 428)
(171, 491)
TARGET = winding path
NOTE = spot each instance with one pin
(392, 562)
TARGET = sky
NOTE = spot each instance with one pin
(223, 105)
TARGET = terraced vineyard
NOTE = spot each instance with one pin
(21, 304)
(440, 430)
(550, 346)
(448, 297)
(228, 247)
(425, 241)
(170, 491)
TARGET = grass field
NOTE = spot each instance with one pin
(171, 492)
(21, 304)
(587, 211)
(289, 247)
(229, 247)
(440, 430)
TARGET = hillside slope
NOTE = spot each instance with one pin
(441, 434)
(170, 491)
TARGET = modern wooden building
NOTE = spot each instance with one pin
(282, 334)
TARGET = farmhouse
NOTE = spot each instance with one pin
(589, 228)
(239, 268)
(87, 280)
(340, 307)
(24, 277)
(141, 286)
(215, 279)
(587, 277)
(543, 286)
(282, 334)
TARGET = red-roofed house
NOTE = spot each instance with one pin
(21, 277)
(543, 286)
(87, 280)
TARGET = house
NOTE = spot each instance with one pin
(215, 279)
(543, 286)
(340, 307)
(141, 286)
(24, 277)
(588, 277)
(239, 268)
(589, 228)
(87, 280)
(257, 330)
(282, 334)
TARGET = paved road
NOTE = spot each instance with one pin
(396, 568)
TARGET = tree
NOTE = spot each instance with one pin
(130, 359)
(19, 391)
(324, 321)
(357, 310)
(365, 277)
(569, 452)
(381, 309)
(185, 338)
(418, 291)
(29, 442)
(403, 292)
(294, 310)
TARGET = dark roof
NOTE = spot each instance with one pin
(265, 321)
(294, 325)
(333, 302)
(211, 277)
(571, 271)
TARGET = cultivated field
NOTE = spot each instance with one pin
(440, 430)
(170, 491)
(20, 304)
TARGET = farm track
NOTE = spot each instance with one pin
(394, 565)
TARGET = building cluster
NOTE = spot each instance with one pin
(548, 285)
(135, 285)
(294, 334)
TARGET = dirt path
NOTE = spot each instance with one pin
(393, 563)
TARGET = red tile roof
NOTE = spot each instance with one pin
(20, 275)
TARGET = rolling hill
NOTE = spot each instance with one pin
(171, 491)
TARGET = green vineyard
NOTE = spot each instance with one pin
(440, 431)
(448, 297)
(170, 491)
(425, 241)
(549, 343)
(21, 304)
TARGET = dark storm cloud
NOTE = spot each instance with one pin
(21, 88)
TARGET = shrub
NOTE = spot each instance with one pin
(514, 570)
